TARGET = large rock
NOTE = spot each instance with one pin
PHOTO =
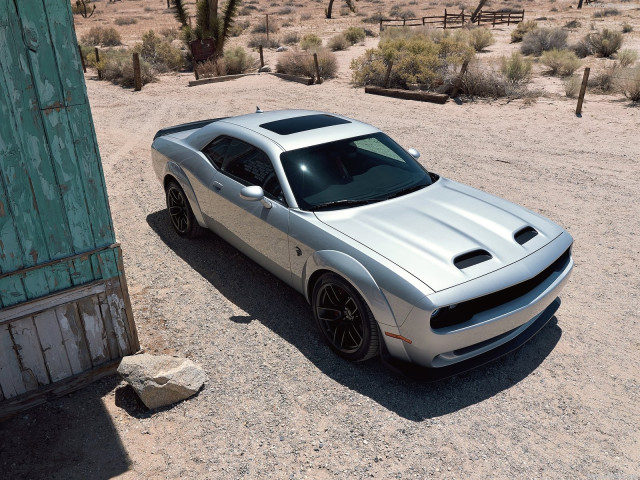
(161, 380)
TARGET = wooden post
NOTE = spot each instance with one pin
(261, 57)
(137, 78)
(463, 17)
(168, 3)
(388, 74)
(494, 21)
(456, 87)
(84, 65)
(445, 18)
(509, 19)
(267, 21)
(381, 24)
(583, 89)
(580, 4)
(97, 62)
(190, 21)
(315, 61)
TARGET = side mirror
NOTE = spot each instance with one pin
(254, 193)
(414, 153)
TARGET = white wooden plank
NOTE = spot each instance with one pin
(112, 337)
(10, 374)
(25, 337)
(55, 355)
(73, 338)
(94, 330)
(118, 317)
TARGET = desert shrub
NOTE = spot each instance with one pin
(305, 16)
(247, 10)
(375, 18)
(627, 28)
(117, 67)
(516, 69)
(482, 82)
(354, 35)
(290, 38)
(572, 86)
(397, 11)
(286, 10)
(295, 62)
(522, 29)
(606, 12)
(573, 24)
(170, 34)
(542, 39)
(105, 36)
(338, 42)
(160, 52)
(125, 21)
(560, 62)
(605, 42)
(237, 60)
(630, 84)
(606, 80)
(310, 42)
(237, 28)
(345, 11)
(581, 48)
(418, 58)
(261, 39)
(481, 38)
(627, 57)
(262, 27)
(212, 68)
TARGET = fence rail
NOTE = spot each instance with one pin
(455, 20)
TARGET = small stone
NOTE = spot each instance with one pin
(282, 49)
(264, 69)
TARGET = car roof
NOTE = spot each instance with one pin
(293, 129)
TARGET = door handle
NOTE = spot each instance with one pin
(217, 185)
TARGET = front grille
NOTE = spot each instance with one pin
(465, 310)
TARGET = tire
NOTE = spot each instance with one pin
(344, 318)
(180, 213)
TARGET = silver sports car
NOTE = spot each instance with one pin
(394, 259)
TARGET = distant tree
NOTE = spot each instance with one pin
(350, 4)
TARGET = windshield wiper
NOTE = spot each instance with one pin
(342, 203)
(407, 190)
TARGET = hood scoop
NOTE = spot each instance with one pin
(525, 234)
(472, 258)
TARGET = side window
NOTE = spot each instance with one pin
(216, 150)
(251, 166)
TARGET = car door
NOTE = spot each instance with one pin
(259, 232)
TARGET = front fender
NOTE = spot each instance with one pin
(360, 278)
(174, 170)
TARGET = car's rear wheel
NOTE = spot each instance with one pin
(344, 319)
(180, 213)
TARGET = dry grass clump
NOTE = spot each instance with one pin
(606, 80)
(160, 53)
(375, 18)
(419, 57)
(125, 21)
(261, 39)
(310, 41)
(105, 36)
(627, 57)
(522, 29)
(290, 38)
(630, 84)
(572, 85)
(295, 62)
(262, 27)
(604, 43)
(516, 69)
(560, 62)
(398, 11)
(237, 60)
(117, 67)
(338, 42)
(627, 28)
(480, 38)
(354, 35)
(542, 39)
(606, 12)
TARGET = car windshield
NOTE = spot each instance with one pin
(351, 172)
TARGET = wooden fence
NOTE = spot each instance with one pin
(454, 20)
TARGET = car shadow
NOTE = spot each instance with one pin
(286, 312)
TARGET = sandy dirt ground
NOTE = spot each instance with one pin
(277, 403)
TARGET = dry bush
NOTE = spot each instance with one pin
(290, 38)
(629, 84)
(606, 80)
(160, 53)
(305, 16)
(338, 42)
(542, 39)
(261, 39)
(572, 24)
(262, 27)
(117, 67)
(605, 42)
(516, 69)
(480, 38)
(238, 28)
(247, 10)
(522, 29)
(125, 21)
(560, 62)
(295, 62)
(607, 12)
(375, 18)
(627, 57)
(105, 36)
(581, 48)
(627, 28)
(211, 68)
(237, 60)
(398, 11)
(310, 41)
(572, 85)
(354, 35)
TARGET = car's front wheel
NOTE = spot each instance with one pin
(180, 213)
(344, 319)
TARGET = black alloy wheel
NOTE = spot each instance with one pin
(180, 213)
(345, 319)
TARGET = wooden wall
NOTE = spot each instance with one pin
(64, 306)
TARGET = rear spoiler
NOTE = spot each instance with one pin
(186, 126)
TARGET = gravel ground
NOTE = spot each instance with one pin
(277, 403)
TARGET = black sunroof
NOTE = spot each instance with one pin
(302, 124)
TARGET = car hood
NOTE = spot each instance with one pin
(428, 232)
